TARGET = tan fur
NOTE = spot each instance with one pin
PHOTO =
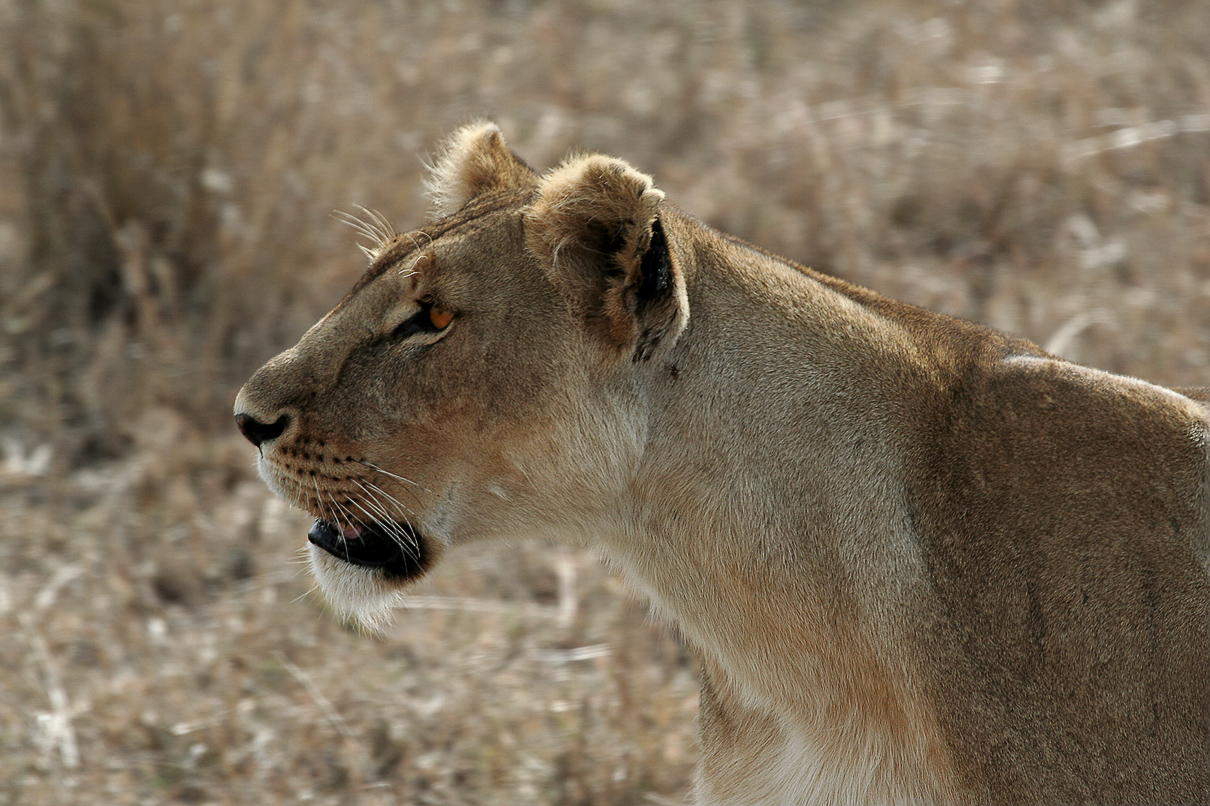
(922, 561)
(473, 162)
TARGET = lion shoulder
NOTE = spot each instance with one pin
(1062, 512)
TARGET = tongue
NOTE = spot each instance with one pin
(351, 532)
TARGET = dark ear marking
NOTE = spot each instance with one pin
(655, 269)
(654, 291)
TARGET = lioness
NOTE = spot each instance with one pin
(921, 561)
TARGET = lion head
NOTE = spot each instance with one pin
(479, 376)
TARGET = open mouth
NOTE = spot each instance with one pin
(393, 548)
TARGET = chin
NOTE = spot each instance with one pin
(362, 569)
(365, 596)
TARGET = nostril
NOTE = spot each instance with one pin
(258, 432)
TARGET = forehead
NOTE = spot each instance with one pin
(487, 212)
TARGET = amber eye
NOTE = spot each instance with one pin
(429, 319)
(439, 317)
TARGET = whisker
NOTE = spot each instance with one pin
(391, 475)
(311, 591)
(319, 501)
(405, 535)
(379, 494)
(349, 521)
(387, 521)
(357, 224)
(346, 517)
(413, 270)
(373, 227)
(396, 535)
(380, 517)
(376, 504)
(384, 228)
(412, 237)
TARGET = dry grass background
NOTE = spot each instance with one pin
(167, 176)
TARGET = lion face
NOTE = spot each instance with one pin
(478, 378)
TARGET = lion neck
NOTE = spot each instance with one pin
(777, 544)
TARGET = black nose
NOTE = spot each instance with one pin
(258, 432)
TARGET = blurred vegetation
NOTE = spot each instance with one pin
(168, 172)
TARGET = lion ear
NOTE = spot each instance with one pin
(472, 161)
(597, 227)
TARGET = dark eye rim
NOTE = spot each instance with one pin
(419, 323)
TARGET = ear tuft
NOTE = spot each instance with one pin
(472, 161)
(595, 226)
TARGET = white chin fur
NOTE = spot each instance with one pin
(354, 593)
